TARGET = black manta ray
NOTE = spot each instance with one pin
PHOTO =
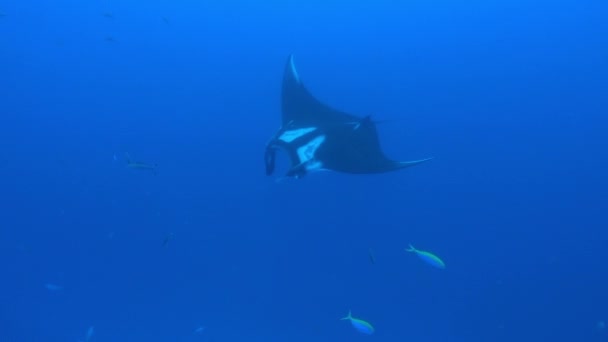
(318, 137)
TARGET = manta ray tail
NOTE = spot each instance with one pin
(409, 163)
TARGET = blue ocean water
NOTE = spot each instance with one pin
(509, 97)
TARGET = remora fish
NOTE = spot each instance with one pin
(139, 165)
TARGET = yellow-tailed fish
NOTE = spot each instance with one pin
(428, 257)
(359, 324)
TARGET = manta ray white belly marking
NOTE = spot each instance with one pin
(307, 152)
(289, 136)
(314, 165)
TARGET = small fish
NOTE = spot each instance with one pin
(53, 287)
(428, 257)
(110, 39)
(359, 324)
(200, 329)
(108, 15)
(166, 20)
(372, 258)
(168, 238)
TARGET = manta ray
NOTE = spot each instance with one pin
(319, 137)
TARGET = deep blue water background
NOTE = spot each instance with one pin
(510, 98)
